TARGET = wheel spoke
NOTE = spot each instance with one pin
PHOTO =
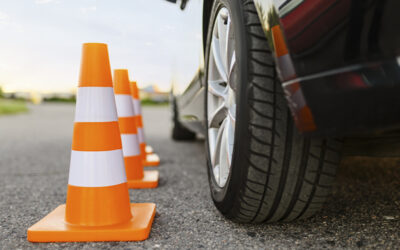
(225, 154)
(218, 140)
(225, 150)
(230, 44)
(231, 136)
(212, 140)
(232, 77)
(216, 172)
(217, 116)
(232, 114)
(217, 88)
(222, 25)
(216, 53)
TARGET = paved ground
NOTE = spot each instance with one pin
(364, 210)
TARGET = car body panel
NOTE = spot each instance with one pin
(337, 61)
(347, 32)
(191, 104)
(345, 75)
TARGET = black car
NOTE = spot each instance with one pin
(285, 87)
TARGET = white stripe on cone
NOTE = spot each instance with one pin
(286, 68)
(140, 135)
(96, 168)
(136, 106)
(95, 104)
(130, 144)
(124, 110)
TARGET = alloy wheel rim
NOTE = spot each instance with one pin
(221, 97)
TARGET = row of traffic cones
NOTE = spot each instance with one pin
(129, 119)
(107, 157)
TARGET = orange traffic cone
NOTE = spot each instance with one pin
(149, 158)
(97, 207)
(137, 178)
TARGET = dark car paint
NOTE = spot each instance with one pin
(341, 64)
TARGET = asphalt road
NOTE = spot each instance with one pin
(364, 210)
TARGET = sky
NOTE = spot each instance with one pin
(40, 41)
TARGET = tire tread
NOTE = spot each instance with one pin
(277, 188)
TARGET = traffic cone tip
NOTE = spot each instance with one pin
(121, 82)
(95, 66)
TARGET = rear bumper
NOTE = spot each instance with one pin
(352, 100)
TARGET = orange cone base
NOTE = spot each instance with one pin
(149, 149)
(150, 180)
(152, 160)
(53, 228)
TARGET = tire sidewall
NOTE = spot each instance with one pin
(225, 197)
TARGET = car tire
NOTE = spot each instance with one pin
(179, 132)
(276, 174)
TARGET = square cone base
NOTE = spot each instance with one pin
(150, 180)
(152, 160)
(53, 227)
